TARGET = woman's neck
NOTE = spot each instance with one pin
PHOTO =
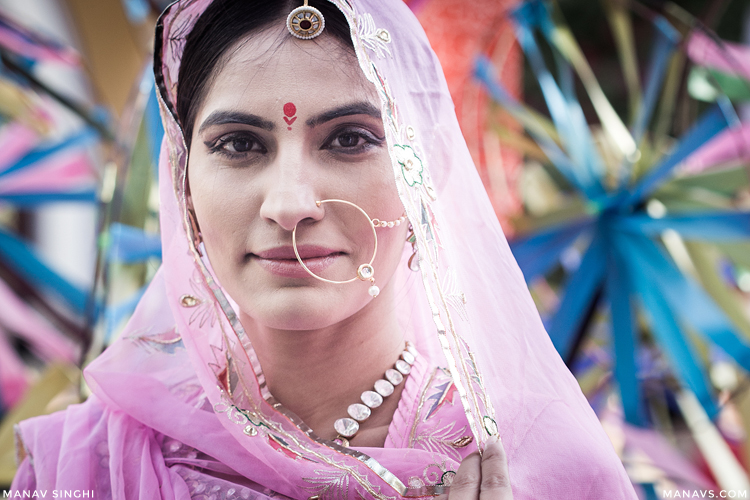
(317, 374)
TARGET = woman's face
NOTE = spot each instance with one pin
(284, 125)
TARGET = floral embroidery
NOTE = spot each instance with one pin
(434, 474)
(436, 427)
(442, 440)
(390, 108)
(228, 377)
(444, 395)
(205, 310)
(167, 342)
(428, 225)
(454, 296)
(476, 379)
(334, 485)
(374, 39)
(329, 484)
(282, 447)
(241, 417)
(411, 165)
(410, 133)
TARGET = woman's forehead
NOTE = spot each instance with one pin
(267, 69)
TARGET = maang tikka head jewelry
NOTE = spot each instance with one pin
(305, 22)
(365, 272)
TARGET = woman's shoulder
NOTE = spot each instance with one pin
(77, 448)
(43, 444)
(47, 432)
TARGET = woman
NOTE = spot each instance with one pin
(327, 247)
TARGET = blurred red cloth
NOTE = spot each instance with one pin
(459, 30)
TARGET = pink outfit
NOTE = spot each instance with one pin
(429, 419)
(184, 367)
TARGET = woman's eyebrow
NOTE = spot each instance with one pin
(224, 117)
(356, 108)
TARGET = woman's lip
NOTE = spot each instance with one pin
(289, 268)
(287, 252)
(282, 261)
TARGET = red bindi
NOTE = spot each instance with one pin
(289, 111)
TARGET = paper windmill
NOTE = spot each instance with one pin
(57, 321)
(38, 307)
(624, 177)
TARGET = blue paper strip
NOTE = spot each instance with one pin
(580, 290)
(689, 301)
(35, 199)
(650, 491)
(565, 111)
(682, 357)
(625, 342)
(82, 139)
(726, 226)
(115, 314)
(484, 72)
(23, 260)
(710, 124)
(663, 46)
(537, 254)
(129, 244)
(154, 128)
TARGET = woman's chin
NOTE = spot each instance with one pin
(304, 308)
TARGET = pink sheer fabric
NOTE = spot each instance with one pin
(185, 369)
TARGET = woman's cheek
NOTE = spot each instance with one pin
(218, 210)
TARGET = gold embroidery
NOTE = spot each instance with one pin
(462, 442)
(422, 398)
(189, 301)
(440, 440)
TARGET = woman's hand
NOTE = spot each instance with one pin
(483, 478)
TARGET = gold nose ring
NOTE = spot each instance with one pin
(365, 272)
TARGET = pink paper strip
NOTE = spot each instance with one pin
(730, 146)
(728, 57)
(15, 141)
(654, 448)
(18, 317)
(668, 459)
(63, 172)
(13, 381)
(18, 44)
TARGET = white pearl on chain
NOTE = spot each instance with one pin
(374, 291)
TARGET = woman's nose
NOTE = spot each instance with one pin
(290, 196)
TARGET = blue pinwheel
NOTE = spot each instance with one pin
(624, 264)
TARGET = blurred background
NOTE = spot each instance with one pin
(612, 136)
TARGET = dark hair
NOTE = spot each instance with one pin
(222, 24)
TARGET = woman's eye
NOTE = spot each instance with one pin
(349, 140)
(237, 145)
(352, 141)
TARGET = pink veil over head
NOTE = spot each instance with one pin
(183, 375)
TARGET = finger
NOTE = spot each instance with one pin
(495, 484)
(465, 485)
